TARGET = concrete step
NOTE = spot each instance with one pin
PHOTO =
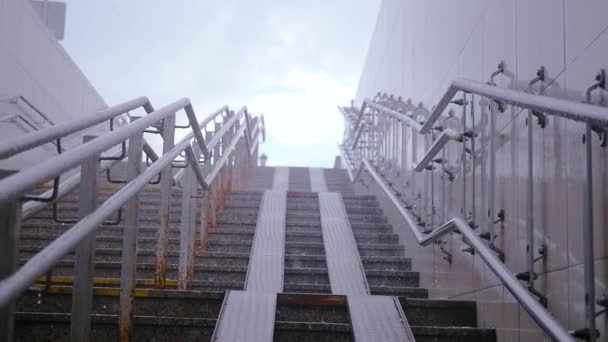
(202, 272)
(305, 261)
(386, 263)
(175, 303)
(399, 291)
(306, 275)
(387, 238)
(30, 326)
(298, 307)
(452, 334)
(392, 278)
(377, 249)
(304, 248)
(440, 313)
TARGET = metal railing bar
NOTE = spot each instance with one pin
(34, 139)
(225, 127)
(346, 162)
(540, 315)
(44, 260)
(220, 162)
(194, 165)
(31, 208)
(446, 136)
(12, 187)
(397, 115)
(549, 105)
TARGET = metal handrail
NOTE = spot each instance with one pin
(446, 136)
(11, 186)
(594, 117)
(540, 314)
(35, 139)
(577, 111)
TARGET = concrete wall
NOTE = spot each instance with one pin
(34, 65)
(417, 49)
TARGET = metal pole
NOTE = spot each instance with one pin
(213, 186)
(10, 223)
(530, 206)
(164, 207)
(473, 158)
(588, 239)
(84, 263)
(128, 270)
(492, 179)
(185, 228)
(464, 156)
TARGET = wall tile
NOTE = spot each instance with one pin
(583, 24)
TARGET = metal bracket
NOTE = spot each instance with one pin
(584, 334)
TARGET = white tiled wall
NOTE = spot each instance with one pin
(34, 65)
(418, 48)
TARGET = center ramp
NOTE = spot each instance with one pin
(373, 318)
(250, 315)
(246, 316)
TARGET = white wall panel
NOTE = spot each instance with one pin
(36, 66)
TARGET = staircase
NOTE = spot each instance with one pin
(306, 310)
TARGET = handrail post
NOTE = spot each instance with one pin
(164, 208)
(229, 168)
(10, 224)
(212, 187)
(236, 157)
(204, 207)
(84, 263)
(589, 271)
(186, 227)
(218, 153)
(128, 270)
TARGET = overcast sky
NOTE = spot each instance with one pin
(294, 61)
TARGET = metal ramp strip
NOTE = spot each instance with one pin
(317, 180)
(346, 274)
(378, 318)
(265, 271)
(246, 316)
(280, 180)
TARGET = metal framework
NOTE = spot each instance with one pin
(382, 139)
(226, 141)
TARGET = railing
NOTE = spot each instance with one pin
(56, 133)
(375, 143)
(227, 158)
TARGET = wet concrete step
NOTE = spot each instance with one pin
(399, 291)
(392, 278)
(30, 326)
(298, 307)
(149, 257)
(202, 272)
(440, 313)
(387, 238)
(306, 275)
(452, 334)
(386, 263)
(376, 249)
(175, 303)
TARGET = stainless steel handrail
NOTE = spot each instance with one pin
(77, 236)
(577, 111)
(49, 134)
(446, 136)
(540, 315)
(12, 187)
(44, 260)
